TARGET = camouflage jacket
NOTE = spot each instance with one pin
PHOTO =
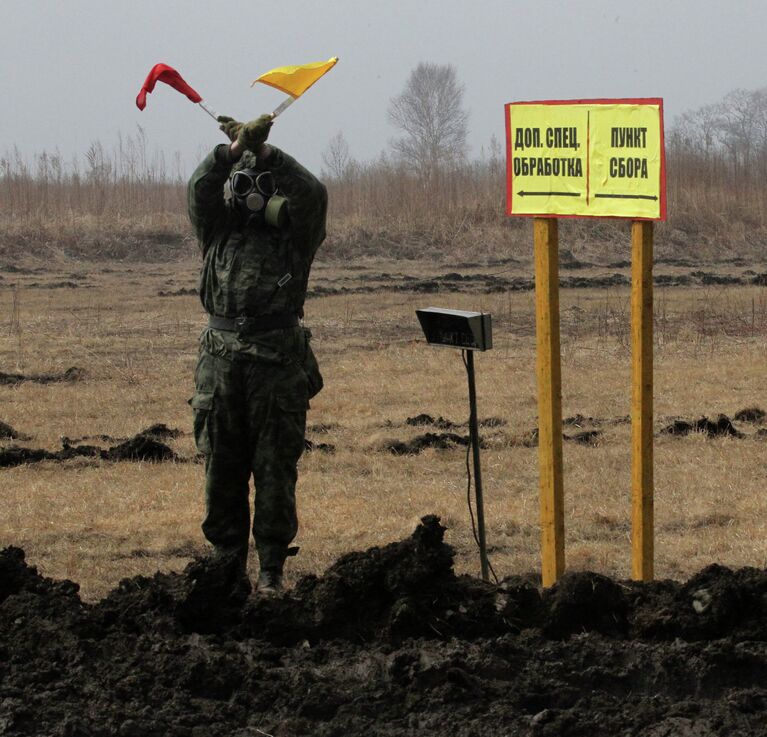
(242, 266)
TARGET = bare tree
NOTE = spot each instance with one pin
(695, 131)
(430, 113)
(496, 155)
(737, 127)
(337, 158)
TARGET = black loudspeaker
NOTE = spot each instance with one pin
(471, 331)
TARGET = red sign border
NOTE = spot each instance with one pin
(599, 101)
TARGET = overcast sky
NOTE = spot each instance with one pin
(71, 70)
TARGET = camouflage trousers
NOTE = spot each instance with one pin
(250, 402)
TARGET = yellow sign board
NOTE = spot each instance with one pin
(586, 158)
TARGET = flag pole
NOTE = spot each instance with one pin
(286, 103)
(213, 114)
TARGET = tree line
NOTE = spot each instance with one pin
(727, 136)
(426, 182)
(716, 159)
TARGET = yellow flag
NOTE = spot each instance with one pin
(296, 80)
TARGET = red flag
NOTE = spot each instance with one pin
(164, 73)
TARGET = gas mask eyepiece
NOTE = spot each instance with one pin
(254, 194)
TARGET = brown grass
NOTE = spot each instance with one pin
(129, 203)
(97, 522)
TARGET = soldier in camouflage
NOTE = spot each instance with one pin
(259, 218)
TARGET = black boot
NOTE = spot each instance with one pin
(269, 582)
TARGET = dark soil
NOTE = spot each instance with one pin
(386, 642)
(439, 440)
(453, 281)
(443, 424)
(144, 446)
(493, 283)
(161, 430)
(720, 427)
(140, 448)
(587, 430)
(755, 415)
(424, 419)
(182, 292)
(71, 374)
(7, 432)
(56, 285)
(312, 445)
(158, 431)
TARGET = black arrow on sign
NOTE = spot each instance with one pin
(549, 194)
(629, 196)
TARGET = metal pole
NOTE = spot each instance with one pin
(286, 103)
(210, 111)
(474, 434)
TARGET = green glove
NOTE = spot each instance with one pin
(230, 126)
(253, 135)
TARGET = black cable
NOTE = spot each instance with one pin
(468, 486)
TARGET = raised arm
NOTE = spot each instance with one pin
(307, 198)
(205, 193)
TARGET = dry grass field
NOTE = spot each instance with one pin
(97, 521)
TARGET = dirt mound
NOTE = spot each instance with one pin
(56, 285)
(182, 292)
(144, 446)
(71, 374)
(444, 424)
(715, 603)
(493, 283)
(312, 445)
(441, 441)
(424, 419)
(584, 602)
(755, 415)
(139, 448)
(386, 642)
(721, 427)
(161, 430)
(158, 431)
(9, 433)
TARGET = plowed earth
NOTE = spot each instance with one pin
(386, 642)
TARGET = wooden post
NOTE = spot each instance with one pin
(642, 401)
(549, 399)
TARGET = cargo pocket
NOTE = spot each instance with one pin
(202, 404)
(290, 425)
(311, 367)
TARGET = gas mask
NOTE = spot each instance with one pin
(254, 195)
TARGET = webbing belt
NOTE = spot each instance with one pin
(273, 321)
